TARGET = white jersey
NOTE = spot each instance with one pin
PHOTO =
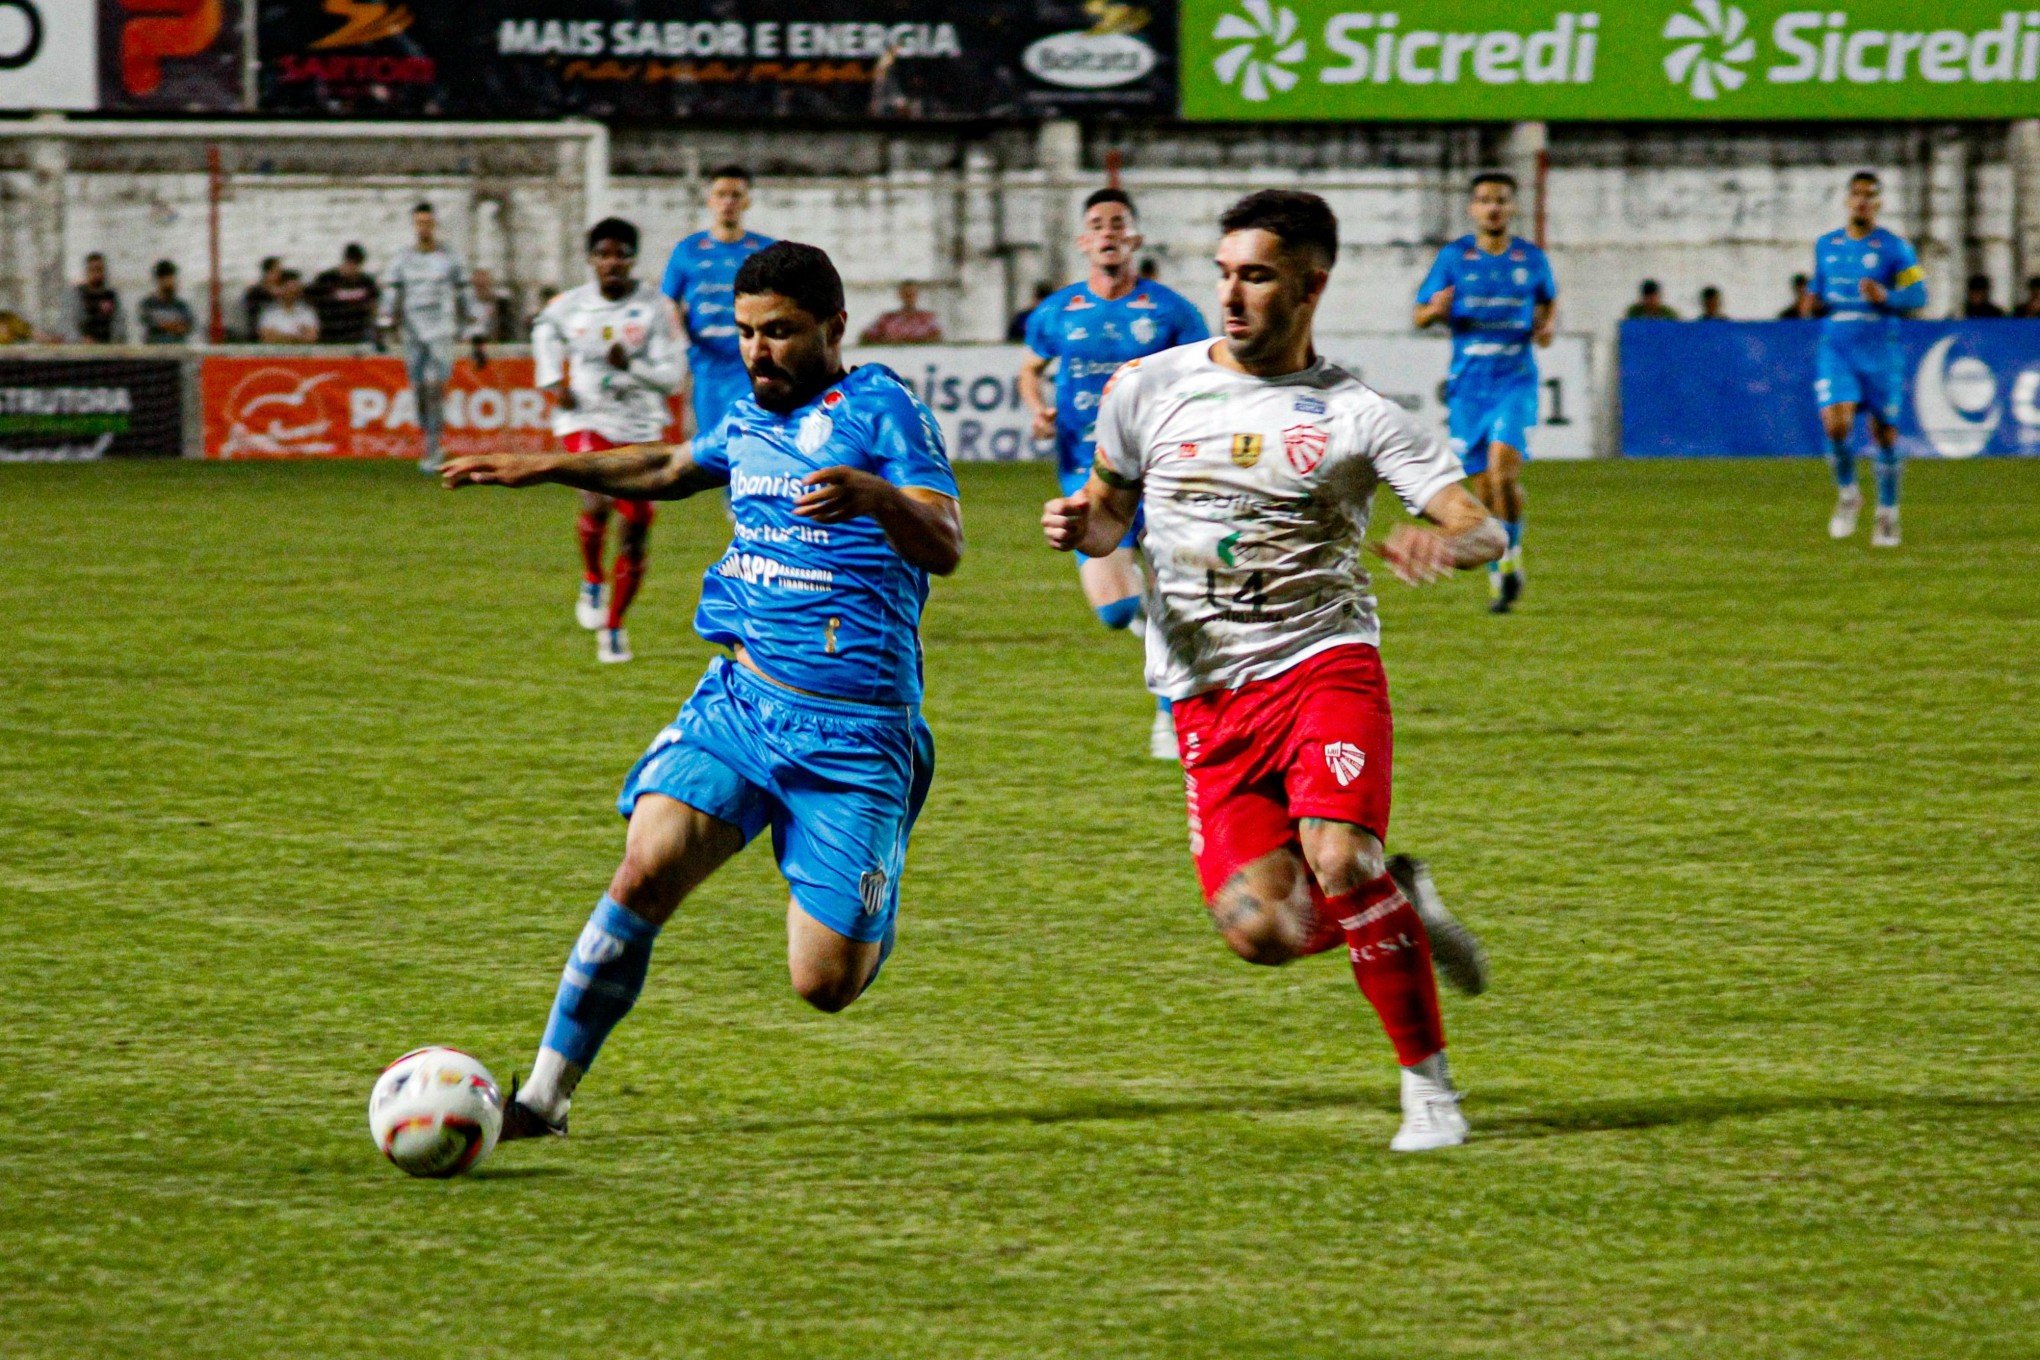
(425, 294)
(572, 338)
(1257, 493)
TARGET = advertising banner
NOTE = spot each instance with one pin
(974, 391)
(49, 54)
(170, 55)
(1712, 60)
(1745, 389)
(668, 59)
(1410, 370)
(76, 410)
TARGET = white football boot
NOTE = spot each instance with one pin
(1430, 1111)
(612, 644)
(1162, 737)
(1848, 505)
(1884, 530)
(591, 606)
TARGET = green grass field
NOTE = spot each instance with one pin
(306, 766)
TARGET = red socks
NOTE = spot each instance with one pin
(589, 529)
(1392, 963)
(623, 586)
(1325, 930)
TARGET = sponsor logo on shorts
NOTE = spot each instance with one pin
(1246, 450)
(1345, 761)
(871, 888)
(1305, 445)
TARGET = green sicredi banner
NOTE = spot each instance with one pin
(1642, 60)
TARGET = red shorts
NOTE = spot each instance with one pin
(587, 441)
(1314, 741)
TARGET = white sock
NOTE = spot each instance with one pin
(549, 1090)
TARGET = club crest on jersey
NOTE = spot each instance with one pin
(1305, 445)
(871, 891)
(1345, 761)
(1246, 450)
(1143, 329)
(814, 432)
(633, 333)
(1522, 276)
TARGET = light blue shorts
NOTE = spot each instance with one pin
(839, 783)
(1482, 419)
(1870, 375)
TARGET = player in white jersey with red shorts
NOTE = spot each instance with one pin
(1257, 461)
(610, 350)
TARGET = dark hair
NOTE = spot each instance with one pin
(1649, 286)
(164, 269)
(1493, 177)
(353, 251)
(1110, 195)
(799, 273)
(270, 262)
(1301, 221)
(1870, 175)
(289, 276)
(613, 229)
(1800, 281)
(729, 171)
(1710, 291)
(423, 207)
(1980, 281)
(95, 255)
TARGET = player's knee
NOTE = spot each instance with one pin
(1120, 613)
(1343, 858)
(828, 990)
(1264, 913)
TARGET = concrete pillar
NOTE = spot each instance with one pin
(985, 297)
(47, 269)
(1059, 149)
(1523, 151)
(2024, 150)
(1943, 238)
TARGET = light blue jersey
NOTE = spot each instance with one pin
(701, 275)
(1859, 360)
(1491, 390)
(839, 774)
(1089, 338)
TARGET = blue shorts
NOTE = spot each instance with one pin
(718, 385)
(1073, 482)
(1872, 376)
(1482, 419)
(839, 783)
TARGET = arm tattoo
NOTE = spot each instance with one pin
(1114, 479)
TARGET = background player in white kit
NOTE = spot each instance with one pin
(431, 307)
(1257, 461)
(610, 352)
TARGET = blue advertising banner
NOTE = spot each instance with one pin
(1744, 389)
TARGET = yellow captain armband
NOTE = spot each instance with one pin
(1909, 277)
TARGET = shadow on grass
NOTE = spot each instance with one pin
(516, 1173)
(1616, 1116)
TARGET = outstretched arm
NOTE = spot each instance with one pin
(646, 472)
(1465, 536)
(1095, 520)
(924, 526)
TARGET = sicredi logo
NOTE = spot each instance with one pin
(1374, 47)
(1827, 47)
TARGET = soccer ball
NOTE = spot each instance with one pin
(435, 1112)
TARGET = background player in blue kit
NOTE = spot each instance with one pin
(699, 274)
(843, 504)
(1866, 277)
(1087, 331)
(1497, 294)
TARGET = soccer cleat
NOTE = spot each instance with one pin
(1512, 587)
(591, 607)
(1848, 505)
(1162, 736)
(612, 644)
(1884, 531)
(521, 1121)
(1431, 1117)
(1455, 951)
(1498, 605)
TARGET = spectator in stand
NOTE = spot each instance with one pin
(14, 329)
(495, 318)
(346, 298)
(289, 320)
(1977, 304)
(1016, 330)
(260, 294)
(1149, 269)
(1710, 305)
(1805, 302)
(92, 313)
(2030, 308)
(1650, 304)
(165, 317)
(906, 324)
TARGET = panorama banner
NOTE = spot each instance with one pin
(1745, 389)
(1490, 60)
(654, 60)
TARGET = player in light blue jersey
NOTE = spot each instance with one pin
(843, 504)
(1087, 331)
(699, 274)
(1496, 292)
(1866, 278)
